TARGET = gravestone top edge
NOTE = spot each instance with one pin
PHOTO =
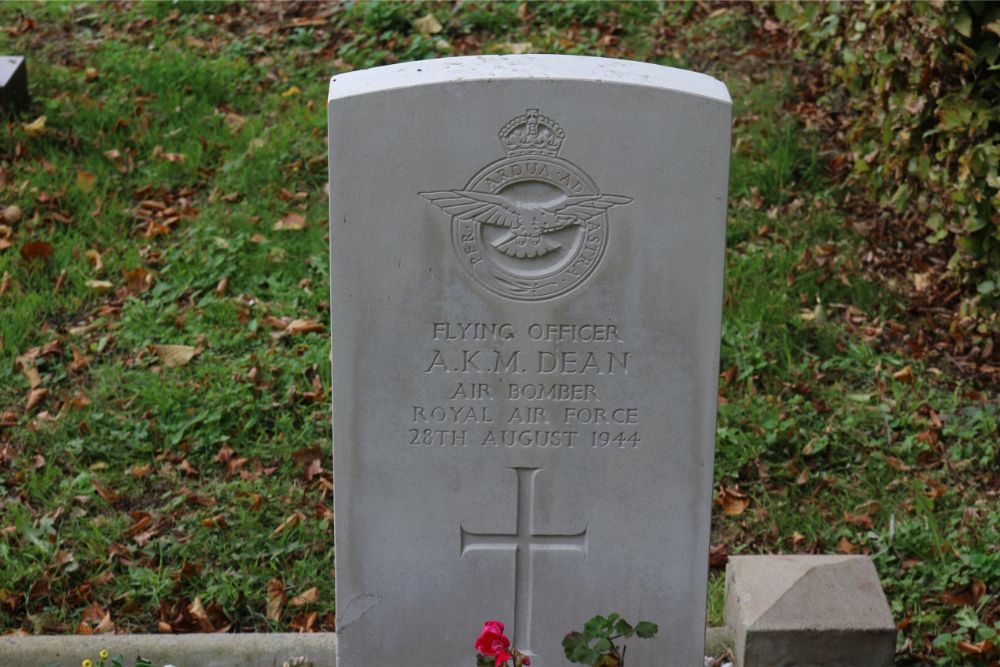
(540, 67)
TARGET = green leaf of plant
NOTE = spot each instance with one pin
(603, 645)
(592, 628)
(963, 24)
(645, 629)
(582, 654)
(574, 646)
(623, 628)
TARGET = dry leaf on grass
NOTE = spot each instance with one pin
(294, 519)
(290, 222)
(304, 326)
(428, 25)
(35, 128)
(26, 362)
(275, 599)
(198, 613)
(174, 355)
(732, 501)
(159, 153)
(137, 280)
(12, 214)
(36, 250)
(517, 48)
(85, 180)
(308, 597)
(95, 259)
(99, 286)
(905, 375)
(845, 546)
(36, 396)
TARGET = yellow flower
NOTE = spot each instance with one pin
(88, 663)
(103, 655)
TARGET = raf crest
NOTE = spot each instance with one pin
(531, 226)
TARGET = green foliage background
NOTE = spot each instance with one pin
(915, 88)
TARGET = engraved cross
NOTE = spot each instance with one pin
(524, 542)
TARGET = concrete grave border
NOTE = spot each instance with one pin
(847, 622)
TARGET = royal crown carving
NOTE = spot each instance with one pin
(532, 133)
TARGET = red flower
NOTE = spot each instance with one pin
(493, 642)
(493, 626)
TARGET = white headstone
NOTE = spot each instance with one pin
(526, 277)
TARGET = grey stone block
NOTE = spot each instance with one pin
(13, 83)
(808, 611)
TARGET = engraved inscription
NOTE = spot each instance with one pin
(525, 541)
(505, 393)
(533, 225)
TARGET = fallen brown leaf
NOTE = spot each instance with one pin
(95, 259)
(99, 286)
(35, 397)
(217, 521)
(109, 496)
(188, 469)
(304, 622)
(137, 280)
(197, 611)
(863, 520)
(308, 597)
(159, 153)
(294, 519)
(85, 180)
(428, 25)
(732, 501)
(905, 375)
(304, 326)
(174, 355)
(36, 250)
(141, 521)
(26, 362)
(978, 648)
(717, 555)
(12, 214)
(141, 471)
(290, 222)
(275, 599)
(844, 546)
(35, 128)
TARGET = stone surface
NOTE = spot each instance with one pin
(13, 83)
(198, 650)
(526, 278)
(314, 649)
(827, 611)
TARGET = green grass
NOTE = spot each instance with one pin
(836, 447)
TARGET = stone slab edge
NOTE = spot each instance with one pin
(540, 67)
(204, 650)
(196, 650)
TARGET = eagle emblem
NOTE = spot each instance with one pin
(528, 223)
(533, 225)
